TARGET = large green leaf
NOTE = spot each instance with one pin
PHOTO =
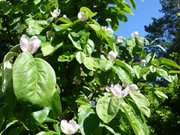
(126, 67)
(122, 74)
(34, 81)
(168, 62)
(138, 126)
(88, 120)
(141, 102)
(107, 108)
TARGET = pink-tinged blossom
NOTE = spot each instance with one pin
(56, 12)
(69, 127)
(117, 89)
(29, 44)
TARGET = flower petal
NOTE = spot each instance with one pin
(24, 43)
(34, 44)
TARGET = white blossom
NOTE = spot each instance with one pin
(69, 127)
(82, 16)
(56, 12)
(117, 89)
(29, 44)
(108, 29)
(112, 55)
(119, 39)
(135, 34)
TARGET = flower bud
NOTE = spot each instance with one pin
(143, 62)
(112, 55)
(108, 20)
(29, 44)
(82, 16)
(69, 127)
(56, 13)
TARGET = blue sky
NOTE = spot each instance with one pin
(142, 16)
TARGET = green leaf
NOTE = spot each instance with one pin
(80, 57)
(7, 71)
(41, 116)
(89, 48)
(65, 20)
(125, 66)
(133, 3)
(138, 126)
(141, 102)
(7, 83)
(88, 120)
(90, 63)
(163, 73)
(66, 57)
(88, 12)
(161, 95)
(62, 27)
(35, 27)
(103, 34)
(122, 74)
(37, 2)
(104, 64)
(109, 129)
(10, 124)
(76, 44)
(48, 49)
(168, 62)
(107, 108)
(47, 133)
(34, 81)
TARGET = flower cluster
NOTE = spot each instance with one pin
(117, 89)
